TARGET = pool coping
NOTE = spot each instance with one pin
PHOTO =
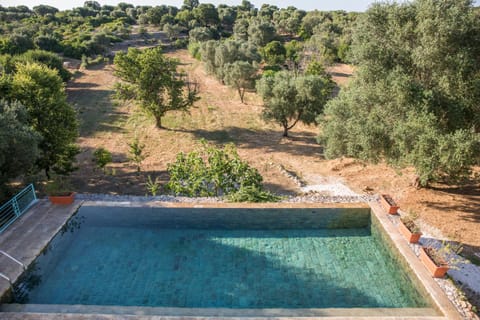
(54, 217)
(437, 295)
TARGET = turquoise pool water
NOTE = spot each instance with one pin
(220, 258)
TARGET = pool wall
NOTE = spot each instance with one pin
(233, 218)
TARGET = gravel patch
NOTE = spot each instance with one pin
(311, 197)
(143, 199)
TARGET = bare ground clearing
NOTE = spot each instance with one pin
(220, 117)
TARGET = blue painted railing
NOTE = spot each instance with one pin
(15, 207)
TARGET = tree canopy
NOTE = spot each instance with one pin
(415, 97)
(241, 75)
(41, 91)
(18, 142)
(152, 80)
(290, 98)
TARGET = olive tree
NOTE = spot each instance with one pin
(217, 54)
(414, 100)
(289, 98)
(152, 80)
(274, 53)
(261, 32)
(241, 75)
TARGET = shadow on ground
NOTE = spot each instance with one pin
(468, 200)
(95, 109)
(299, 143)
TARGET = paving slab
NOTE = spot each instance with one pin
(25, 238)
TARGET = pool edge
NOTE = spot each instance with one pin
(435, 293)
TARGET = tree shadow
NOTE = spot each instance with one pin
(97, 66)
(117, 181)
(280, 190)
(340, 74)
(95, 109)
(467, 202)
(80, 85)
(298, 143)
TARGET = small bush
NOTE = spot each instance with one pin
(252, 194)
(102, 157)
(181, 43)
(212, 172)
(194, 49)
(153, 186)
(136, 153)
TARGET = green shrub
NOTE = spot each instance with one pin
(210, 171)
(252, 194)
(102, 157)
(181, 43)
(136, 154)
(153, 186)
(194, 49)
(51, 60)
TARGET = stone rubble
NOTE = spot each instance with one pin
(310, 197)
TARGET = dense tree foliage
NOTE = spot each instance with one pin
(241, 75)
(152, 80)
(289, 98)
(87, 30)
(274, 53)
(49, 59)
(18, 143)
(41, 91)
(415, 97)
(218, 54)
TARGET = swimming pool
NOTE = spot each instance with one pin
(222, 258)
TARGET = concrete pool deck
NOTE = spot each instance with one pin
(28, 236)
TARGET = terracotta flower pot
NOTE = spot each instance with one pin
(66, 199)
(411, 237)
(389, 204)
(437, 271)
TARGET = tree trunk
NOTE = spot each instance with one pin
(285, 131)
(47, 172)
(159, 122)
(241, 93)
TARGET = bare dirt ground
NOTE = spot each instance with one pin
(220, 117)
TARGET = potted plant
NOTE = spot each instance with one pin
(409, 229)
(434, 258)
(389, 204)
(59, 191)
(434, 262)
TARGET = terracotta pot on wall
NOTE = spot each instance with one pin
(410, 236)
(389, 204)
(437, 271)
(62, 199)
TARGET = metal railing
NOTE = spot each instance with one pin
(14, 260)
(15, 207)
